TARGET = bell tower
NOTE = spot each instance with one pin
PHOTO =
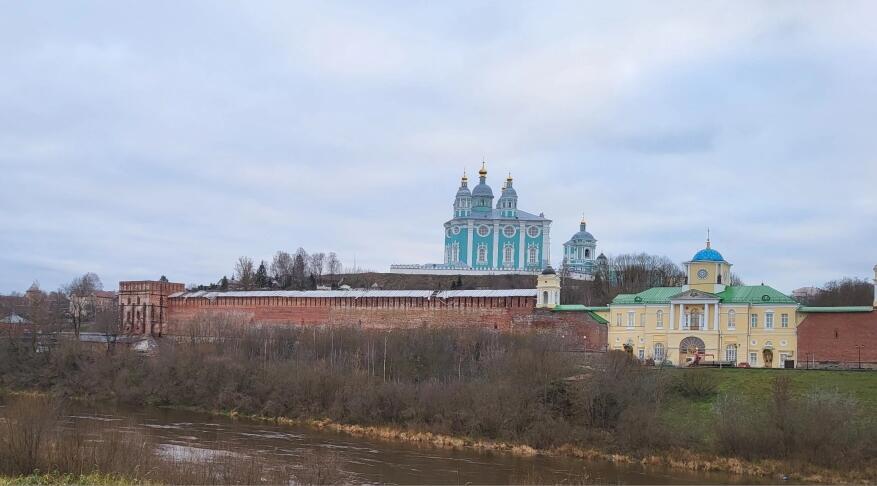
(548, 289)
(708, 271)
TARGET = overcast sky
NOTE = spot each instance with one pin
(147, 138)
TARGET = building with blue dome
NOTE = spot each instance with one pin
(579, 254)
(482, 236)
(707, 319)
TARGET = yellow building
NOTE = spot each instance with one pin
(707, 320)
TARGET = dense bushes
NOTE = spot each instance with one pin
(478, 383)
(821, 427)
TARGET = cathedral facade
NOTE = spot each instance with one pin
(485, 237)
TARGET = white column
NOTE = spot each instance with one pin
(706, 317)
(672, 324)
(546, 244)
(496, 260)
(470, 252)
(522, 238)
(681, 316)
(716, 319)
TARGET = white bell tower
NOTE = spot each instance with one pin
(548, 289)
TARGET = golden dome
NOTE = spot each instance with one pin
(483, 171)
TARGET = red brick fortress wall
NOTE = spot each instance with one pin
(509, 313)
(838, 338)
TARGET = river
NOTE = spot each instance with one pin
(368, 461)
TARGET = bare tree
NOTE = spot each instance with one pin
(81, 292)
(245, 272)
(109, 322)
(299, 267)
(281, 269)
(846, 291)
(736, 281)
(333, 264)
(633, 273)
(316, 264)
(39, 314)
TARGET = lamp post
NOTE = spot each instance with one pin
(859, 348)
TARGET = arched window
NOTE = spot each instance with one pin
(732, 319)
(508, 254)
(587, 253)
(545, 297)
(533, 254)
(659, 352)
(482, 254)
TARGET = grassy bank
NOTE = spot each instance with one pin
(56, 479)
(475, 388)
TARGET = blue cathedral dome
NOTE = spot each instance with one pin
(708, 255)
(583, 235)
(482, 189)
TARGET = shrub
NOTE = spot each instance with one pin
(696, 384)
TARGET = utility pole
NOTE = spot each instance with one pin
(859, 348)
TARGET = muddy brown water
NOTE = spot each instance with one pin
(372, 461)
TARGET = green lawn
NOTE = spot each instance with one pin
(756, 383)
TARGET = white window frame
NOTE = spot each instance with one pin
(659, 319)
(642, 354)
(618, 320)
(660, 355)
(768, 320)
(642, 320)
(753, 358)
(731, 353)
(753, 321)
(732, 320)
(482, 252)
(631, 319)
(784, 321)
(532, 254)
(508, 254)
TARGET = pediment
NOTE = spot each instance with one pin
(693, 294)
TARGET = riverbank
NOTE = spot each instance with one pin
(672, 459)
(678, 459)
(49, 479)
(476, 389)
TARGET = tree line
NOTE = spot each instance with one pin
(297, 271)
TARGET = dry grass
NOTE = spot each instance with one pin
(33, 440)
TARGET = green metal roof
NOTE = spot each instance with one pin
(754, 294)
(591, 311)
(866, 308)
(743, 294)
(577, 308)
(655, 295)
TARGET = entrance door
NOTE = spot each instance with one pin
(768, 358)
(689, 348)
